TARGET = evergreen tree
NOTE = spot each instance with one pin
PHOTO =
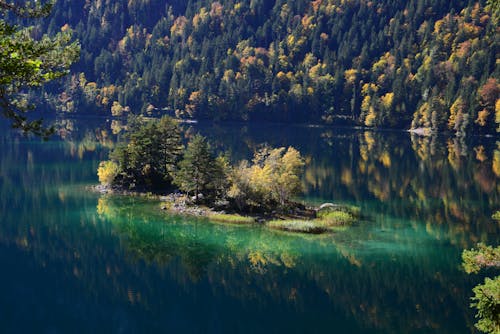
(26, 62)
(148, 158)
(197, 169)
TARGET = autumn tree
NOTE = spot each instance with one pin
(271, 181)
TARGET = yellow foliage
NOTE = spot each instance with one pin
(237, 7)
(107, 172)
(179, 26)
(480, 153)
(456, 109)
(350, 75)
(482, 117)
(385, 159)
(307, 22)
(309, 60)
(346, 177)
(281, 76)
(422, 118)
(370, 116)
(497, 114)
(116, 109)
(367, 88)
(365, 105)
(257, 259)
(387, 100)
(283, 61)
(438, 25)
(228, 76)
(200, 18)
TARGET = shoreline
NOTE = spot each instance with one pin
(300, 218)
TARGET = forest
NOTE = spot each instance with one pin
(417, 64)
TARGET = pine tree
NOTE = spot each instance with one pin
(196, 168)
(26, 62)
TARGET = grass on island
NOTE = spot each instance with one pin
(336, 218)
(300, 226)
(230, 218)
(326, 222)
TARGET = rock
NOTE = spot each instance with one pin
(327, 205)
(200, 196)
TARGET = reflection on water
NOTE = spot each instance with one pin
(77, 261)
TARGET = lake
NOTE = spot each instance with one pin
(74, 261)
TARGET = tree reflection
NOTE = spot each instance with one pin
(395, 272)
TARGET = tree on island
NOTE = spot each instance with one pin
(26, 62)
(148, 157)
(271, 181)
(199, 172)
(152, 159)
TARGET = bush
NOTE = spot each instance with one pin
(487, 301)
(486, 296)
(107, 172)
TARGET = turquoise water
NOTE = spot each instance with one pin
(74, 261)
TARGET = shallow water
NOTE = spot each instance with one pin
(76, 261)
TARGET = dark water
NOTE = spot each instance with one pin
(74, 261)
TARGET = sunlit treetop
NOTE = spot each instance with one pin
(27, 62)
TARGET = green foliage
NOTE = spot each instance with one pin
(487, 302)
(199, 171)
(337, 218)
(326, 221)
(383, 64)
(486, 296)
(26, 62)
(483, 257)
(149, 160)
(146, 161)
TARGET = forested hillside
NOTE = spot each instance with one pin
(405, 64)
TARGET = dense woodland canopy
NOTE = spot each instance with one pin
(406, 64)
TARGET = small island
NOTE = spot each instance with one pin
(152, 159)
